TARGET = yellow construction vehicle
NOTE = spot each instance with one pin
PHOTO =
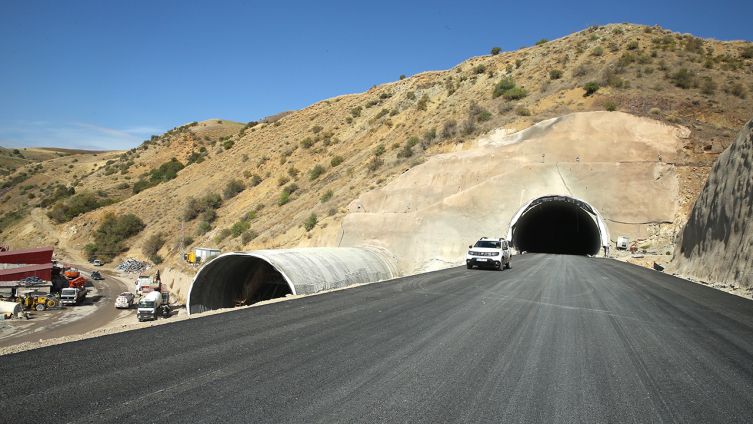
(39, 301)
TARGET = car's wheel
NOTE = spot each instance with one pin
(509, 265)
(469, 266)
(39, 307)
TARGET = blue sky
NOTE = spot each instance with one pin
(109, 74)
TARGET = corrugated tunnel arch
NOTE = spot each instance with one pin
(243, 278)
(558, 224)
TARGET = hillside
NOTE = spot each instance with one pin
(360, 142)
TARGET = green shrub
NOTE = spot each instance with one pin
(310, 222)
(683, 78)
(480, 69)
(523, 111)
(496, 50)
(316, 172)
(380, 149)
(503, 86)
(555, 74)
(632, 45)
(315, 129)
(153, 244)
(402, 77)
(542, 41)
(747, 52)
(255, 180)
(247, 236)
(326, 196)
(196, 206)
(282, 180)
(228, 144)
(203, 228)
(110, 236)
(251, 215)
(239, 227)
(708, 86)
(410, 95)
(187, 241)
(222, 235)
(284, 198)
(381, 113)
(484, 116)
(356, 111)
(232, 188)
(738, 89)
(422, 104)
(430, 134)
(156, 259)
(610, 106)
(515, 93)
(336, 161)
(307, 142)
(374, 163)
(591, 87)
(385, 95)
(371, 103)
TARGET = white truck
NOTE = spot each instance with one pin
(145, 284)
(72, 295)
(152, 304)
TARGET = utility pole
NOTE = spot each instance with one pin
(183, 237)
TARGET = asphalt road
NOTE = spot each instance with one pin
(554, 339)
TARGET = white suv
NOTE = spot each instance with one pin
(492, 253)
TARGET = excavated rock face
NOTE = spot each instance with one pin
(716, 244)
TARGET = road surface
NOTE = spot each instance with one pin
(555, 339)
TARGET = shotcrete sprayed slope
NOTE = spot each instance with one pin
(429, 215)
(715, 245)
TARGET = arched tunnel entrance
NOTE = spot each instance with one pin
(558, 224)
(244, 278)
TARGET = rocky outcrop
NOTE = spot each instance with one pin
(715, 245)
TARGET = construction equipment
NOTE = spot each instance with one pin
(39, 301)
(75, 293)
(72, 273)
(145, 284)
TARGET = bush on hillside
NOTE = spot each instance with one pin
(153, 244)
(591, 87)
(310, 222)
(196, 206)
(110, 236)
(496, 50)
(232, 188)
(555, 74)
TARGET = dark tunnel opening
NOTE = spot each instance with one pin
(237, 281)
(557, 227)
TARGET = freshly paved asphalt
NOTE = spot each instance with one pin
(555, 339)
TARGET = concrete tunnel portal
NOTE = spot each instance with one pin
(244, 278)
(558, 224)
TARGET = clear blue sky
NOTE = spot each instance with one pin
(109, 74)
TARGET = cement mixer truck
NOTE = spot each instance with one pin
(151, 305)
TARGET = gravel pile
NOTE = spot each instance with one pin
(134, 266)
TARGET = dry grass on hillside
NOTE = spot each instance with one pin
(363, 141)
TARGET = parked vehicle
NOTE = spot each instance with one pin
(97, 262)
(145, 284)
(125, 300)
(73, 295)
(491, 253)
(152, 305)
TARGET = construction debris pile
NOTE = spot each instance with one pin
(31, 281)
(134, 266)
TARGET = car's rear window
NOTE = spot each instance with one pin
(489, 244)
